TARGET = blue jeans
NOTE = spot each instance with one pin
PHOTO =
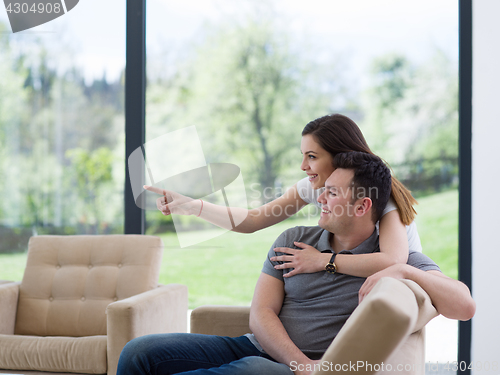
(193, 354)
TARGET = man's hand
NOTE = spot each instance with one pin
(307, 260)
(396, 271)
(175, 203)
(268, 328)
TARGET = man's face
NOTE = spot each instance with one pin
(337, 209)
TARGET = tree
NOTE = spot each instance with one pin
(13, 101)
(391, 77)
(412, 118)
(91, 171)
(250, 91)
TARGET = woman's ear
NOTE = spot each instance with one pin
(363, 206)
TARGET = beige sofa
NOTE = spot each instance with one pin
(384, 335)
(82, 298)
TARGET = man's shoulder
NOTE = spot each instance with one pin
(422, 261)
(302, 229)
(305, 234)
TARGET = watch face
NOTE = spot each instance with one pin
(331, 268)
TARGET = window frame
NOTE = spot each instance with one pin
(135, 105)
(465, 170)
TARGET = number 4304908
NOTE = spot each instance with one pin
(34, 8)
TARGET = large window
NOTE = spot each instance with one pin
(62, 126)
(250, 75)
(247, 76)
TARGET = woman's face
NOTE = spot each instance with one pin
(316, 161)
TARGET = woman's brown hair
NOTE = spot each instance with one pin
(337, 133)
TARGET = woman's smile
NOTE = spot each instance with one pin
(317, 162)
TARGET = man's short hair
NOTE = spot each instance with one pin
(372, 178)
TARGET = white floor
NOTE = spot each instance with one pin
(441, 341)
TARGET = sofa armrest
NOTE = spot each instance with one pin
(6, 281)
(9, 294)
(426, 310)
(376, 328)
(161, 310)
(230, 321)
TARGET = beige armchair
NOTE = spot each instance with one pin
(384, 334)
(82, 298)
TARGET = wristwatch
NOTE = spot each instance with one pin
(330, 266)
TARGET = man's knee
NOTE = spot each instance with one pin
(139, 352)
(134, 349)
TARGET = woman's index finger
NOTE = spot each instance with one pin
(155, 189)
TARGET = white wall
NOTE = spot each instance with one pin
(486, 184)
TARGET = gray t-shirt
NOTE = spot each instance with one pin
(316, 305)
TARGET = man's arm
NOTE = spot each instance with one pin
(450, 297)
(266, 325)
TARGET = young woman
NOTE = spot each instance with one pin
(322, 139)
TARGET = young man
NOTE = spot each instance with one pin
(295, 319)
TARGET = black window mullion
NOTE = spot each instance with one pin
(465, 171)
(135, 104)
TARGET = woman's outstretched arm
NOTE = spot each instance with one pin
(236, 219)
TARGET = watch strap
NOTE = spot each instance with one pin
(331, 267)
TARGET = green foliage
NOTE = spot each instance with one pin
(12, 105)
(250, 90)
(393, 74)
(248, 85)
(250, 96)
(43, 114)
(40, 177)
(92, 171)
(435, 98)
(412, 119)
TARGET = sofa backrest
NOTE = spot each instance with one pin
(69, 281)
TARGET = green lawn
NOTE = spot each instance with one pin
(437, 223)
(12, 266)
(224, 270)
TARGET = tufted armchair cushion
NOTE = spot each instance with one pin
(69, 281)
(82, 298)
